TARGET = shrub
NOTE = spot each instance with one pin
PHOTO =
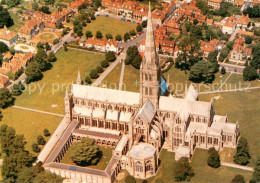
(36, 148)
(88, 80)
(104, 64)
(41, 140)
(46, 132)
(93, 74)
(99, 69)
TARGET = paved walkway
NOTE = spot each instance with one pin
(232, 90)
(237, 166)
(39, 111)
(122, 76)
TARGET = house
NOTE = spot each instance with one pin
(167, 46)
(229, 27)
(209, 21)
(215, 4)
(8, 37)
(112, 46)
(245, 33)
(243, 21)
(4, 81)
(14, 63)
(240, 52)
(177, 52)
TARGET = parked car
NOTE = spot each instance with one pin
(107, 15)
(123, 19)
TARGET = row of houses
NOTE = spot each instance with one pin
(215, 4)
(133, 10)
(100, 45)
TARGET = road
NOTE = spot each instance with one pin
(122, 75)
(121, 57)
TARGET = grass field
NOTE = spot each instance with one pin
(48, 94)
(109, 25)
(47, 36)
(112, 80)
(243, 107)
(18, 23)
(30, 124)
(101, 165)
(131, 77)
(204, 173)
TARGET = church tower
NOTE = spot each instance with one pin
(150, 71)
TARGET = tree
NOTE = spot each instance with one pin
(45, 9)
(238, 179)
(89, 34)
(127, 36)
(137, 61)
(33, 72)
(84, 24)
(1, 115)
(195, 21)
(3, 47)
(139, 28)
(99, 35)
(144, 23)
(183, 170)
(56, 41)
(85, 152)
(249, 73)
(36, 148)
(41, 58)
(109, 36)
(39, 45)
(79, 32)
(6, 98)
(88, 80)
(88, 20)
(46, 176)
(17, 89)
(118, 37)
(129, 179)
(66, 48)
(223, 70)
(223, 54)
(35, 6)
(6, 19)
(46, 132)
(242, 155)
(255, 62)
(41, 140)
(52, 57)
(256, 174)
(132, 32)
(110, 56)
(248, 40)
(213, 158)
(202, 71)
(93, 74)
(104, 64)
(99, 69)
(93, 17)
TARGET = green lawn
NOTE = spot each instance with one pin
(243, 107)
(55, 81)
(101, 165)
(18, 23)
(47, 36)
(30, 124)
(204, 173)
(109, 25)
(112, 80)
(236, 80)
(131, 79)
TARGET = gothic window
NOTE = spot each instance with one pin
(151, 91)
(215, 141)
(209, 140)
(229, 138)
(224, 138)
(150, 77)
(146, 91)
(202, 139)
(146, 77)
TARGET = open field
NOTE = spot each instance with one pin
(47, 36)
(18, 23)
(112, 80)
(101, 165)
(109, 25)
(30, 124)
(204, 173)
(48, 94)
(131, 79)
(243, 107)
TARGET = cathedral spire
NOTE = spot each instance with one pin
(150, 56)
(79, 81)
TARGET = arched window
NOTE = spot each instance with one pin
(150, 77)
(146, 91)
(146, 77)
(151, 91)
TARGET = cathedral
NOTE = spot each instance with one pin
(138, 125)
